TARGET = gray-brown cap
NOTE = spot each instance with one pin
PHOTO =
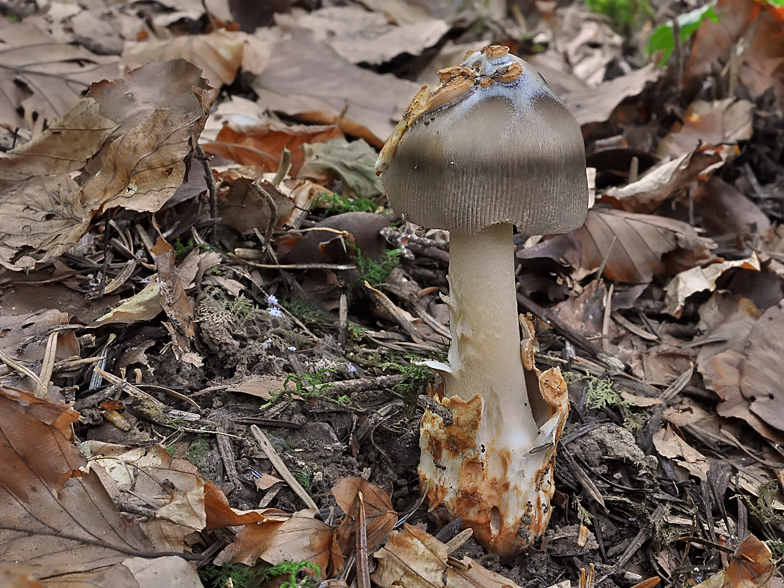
(490, 144)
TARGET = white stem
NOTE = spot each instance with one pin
(484, 357)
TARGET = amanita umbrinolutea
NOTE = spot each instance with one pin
(488, 148)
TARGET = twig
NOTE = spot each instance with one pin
(21, 368)
(363, 567)
(281, 468)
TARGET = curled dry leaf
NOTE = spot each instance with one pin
(596, 105)
(244, 207)
(670, 444)
(664, 180)
(151, 119)
(645, 245)
(379, 514)
(175, 302)
(699, 279)
(415, 559)
(218, 54)
(751, 566)
(725, 319)
(726, 211)
(759, 25)
(747, 377)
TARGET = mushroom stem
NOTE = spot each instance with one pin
(484, 357)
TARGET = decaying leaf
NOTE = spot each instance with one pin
(354, 163)
(361, 36)
(725, 319)
(245, 207)
(304, 538)
(262, 144)
(751, 566)
(725, 210)
(673, 446)
(152, 120)
(708, 123)
(307, 79)
(747, 377)
(596, 105)
(57, 522)
(218, 54)
(644, 245)
(757, 23)
(44, 76)
(415, 559)
(699, 279)
(380, 515)
(144, 306)
(664, 180)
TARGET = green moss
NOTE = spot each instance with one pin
(197, 451)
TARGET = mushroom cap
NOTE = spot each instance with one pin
(490, 144)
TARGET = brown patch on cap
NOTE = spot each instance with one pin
(495, 51)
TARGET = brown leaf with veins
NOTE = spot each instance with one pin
(747, 377)
(379, 514)
(304, 538)
(42, 75)
(263, 144)
(645, 245)
(308, 79)
(55, 520)
(415, 559)
(218, 54)
(152, 119)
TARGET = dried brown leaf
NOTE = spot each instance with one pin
(304, 538)
(747, 377)
(307, 79)
(708, 123)
(152, 118)
(174, 300)
(361, 36)
(664, 180)
(55, 520)
(645, 245)
(725, 210)
(673, 446)
(759, 25)
(700, 279)
(415, 559)
(44, 76)
(267, 140)
(244, 207)
(596, 105)
(379, 514)
(218, 54)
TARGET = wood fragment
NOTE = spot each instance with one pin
(361, 548)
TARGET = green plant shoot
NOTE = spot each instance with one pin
(663, 38)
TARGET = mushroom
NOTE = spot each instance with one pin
(490, 147)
